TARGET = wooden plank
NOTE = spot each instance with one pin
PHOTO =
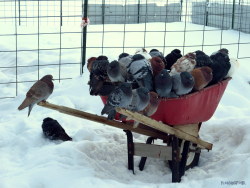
(164, 128)
(152, 150)
(192, 129)
(104, 120)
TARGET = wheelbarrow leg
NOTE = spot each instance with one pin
(143, 159)
(175, 160)
(184, 156)
(130, 146)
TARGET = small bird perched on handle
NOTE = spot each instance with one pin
(40, 91)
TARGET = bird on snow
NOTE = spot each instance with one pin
(163, 83)
(172, 57)
(234, 66)
(157, 53)
(183, 83)
(40, 91)
(220, 66)
(202, 59)
(117, 72)
(157, 65)
(184, 64)
(53, 130)
(120, 97)
(143, 52)
(202, 76)
(141, 71)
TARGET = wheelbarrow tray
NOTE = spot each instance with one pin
(193, 108)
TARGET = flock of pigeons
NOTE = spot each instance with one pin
(137, 82)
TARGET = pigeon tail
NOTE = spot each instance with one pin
(112, 114)
(30, 108)
(24, 104)
(107, 108)
(65, 137)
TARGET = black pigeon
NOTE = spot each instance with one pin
(220, 66)
(172, 58)
(202, 59)
(54, 131)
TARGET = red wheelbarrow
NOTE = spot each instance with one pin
(185, 114)
(177, 122)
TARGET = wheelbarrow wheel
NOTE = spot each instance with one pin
(193, 155)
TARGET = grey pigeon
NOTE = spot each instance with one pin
(163, 83)
(120, 97)
(53, 130)
(183, 83)
(40, 91)
(140, 99)
(141, 71)
(117, 72)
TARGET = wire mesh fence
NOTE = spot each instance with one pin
(36, 36)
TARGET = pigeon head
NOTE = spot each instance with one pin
(154, 50)
(140, 50)
(137, 57)
(113, 68)
(176, 52)
(187, 79)
(143, 93)
(224, 51)
(47, 119)
(126, 87)
(102, 57)
(191, 55)
(90, 63)
(123, 55)
(199, 52)
(47, 78)
(157, 65)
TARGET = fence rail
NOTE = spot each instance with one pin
(36, 36)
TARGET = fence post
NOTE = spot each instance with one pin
(233, 13)
(138, 10)
(84, 35)
(103, 11)
(19, 11)
(206, 11)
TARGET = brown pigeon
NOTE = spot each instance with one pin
(151, 108)
(202, 76)
(90, 63)
(153, 104)
(184, 64)
(157, 65)
(40, 91)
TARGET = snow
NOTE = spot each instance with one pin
(97, 156)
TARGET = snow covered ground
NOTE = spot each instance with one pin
(97, 155)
